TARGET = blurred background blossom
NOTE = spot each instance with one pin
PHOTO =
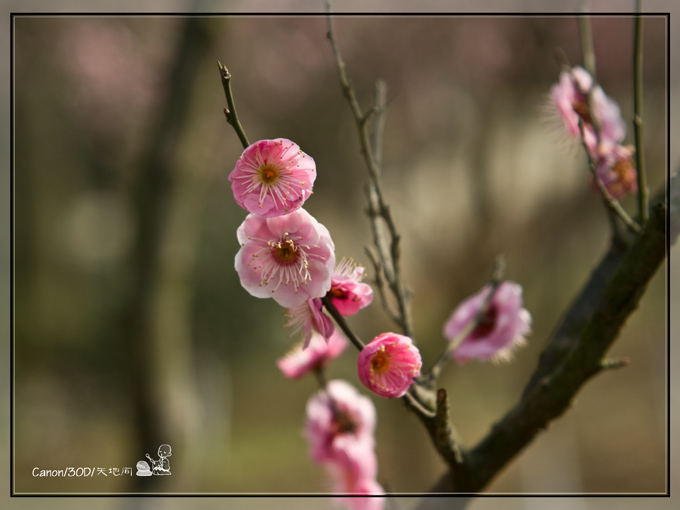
(132, 329)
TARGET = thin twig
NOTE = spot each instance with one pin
(378, 209)
(378, 133)
(643, 191)
(230, 112)
(380, 284)
(415, 403)
(586, 40)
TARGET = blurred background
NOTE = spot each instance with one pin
(131, 327)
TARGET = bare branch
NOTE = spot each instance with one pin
(586, 39)
(379, 212)
(230, 112)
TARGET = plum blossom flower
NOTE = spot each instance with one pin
(347, 294)
(340, 430)
(616, 171)
(355, 474)
(272, 178)
(308, 319)
(289, 258)
(570, 98)
(503, 328)
(352, 463)
(369, 487)
(340, 426)
(319, 352)
(388, 365)
(612, 125)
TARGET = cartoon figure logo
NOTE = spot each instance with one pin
(160, 466)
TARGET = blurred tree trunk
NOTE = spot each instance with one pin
(157, 319)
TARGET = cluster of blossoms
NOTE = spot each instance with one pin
(583, 106)
(286, 254)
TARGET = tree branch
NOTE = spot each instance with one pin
(612, 294)
(230, 112)
(379, 211)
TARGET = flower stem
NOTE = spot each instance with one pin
(230, 112)
(643, 192)
(340, 321)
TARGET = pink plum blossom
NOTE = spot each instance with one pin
(368, 487)
(612, 126)
(388, 365)
(309, 319)
(355, 474)
(289, 258)
(502, 329)
(347, 294)
(340, 426)
(570, 98)
(272, 178)
(320, 351)
(352, 462)
(616, 171)
(340, 430)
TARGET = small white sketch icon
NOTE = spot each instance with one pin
(143, 468)
(160, 466)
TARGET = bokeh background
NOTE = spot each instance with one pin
(131, 327)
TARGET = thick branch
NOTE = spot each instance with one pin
(622, 279)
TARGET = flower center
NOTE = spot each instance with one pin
(380, 362)
(285, 261)
(624, 169)
(284, 251)
(268, 173)
(486, 325)
(343, 422)
(337, 293)
(580, 106)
